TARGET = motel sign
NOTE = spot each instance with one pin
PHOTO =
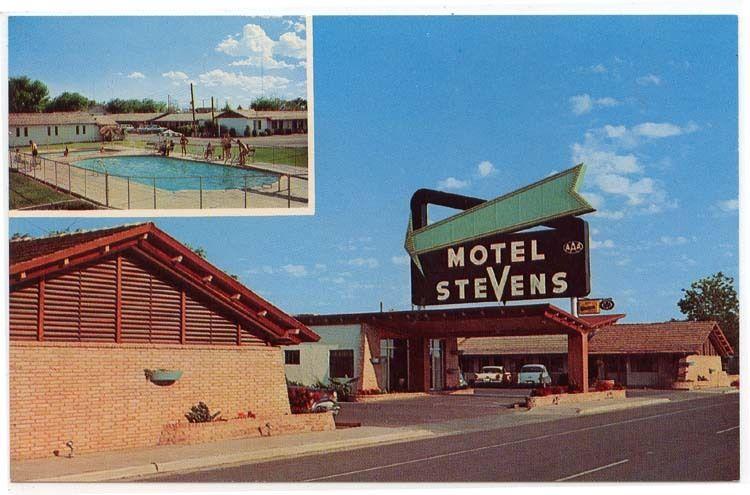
(542, 264)
(481, 255)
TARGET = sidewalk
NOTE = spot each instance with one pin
(106, 466)
(117, 465)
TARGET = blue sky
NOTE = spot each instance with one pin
(481, 106)
(233, 59)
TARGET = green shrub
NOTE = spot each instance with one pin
(200, 414)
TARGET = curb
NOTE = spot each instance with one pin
(621, 406)
(198, 463)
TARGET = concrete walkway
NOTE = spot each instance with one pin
(119, 465)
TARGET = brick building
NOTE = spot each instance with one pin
(90, 312)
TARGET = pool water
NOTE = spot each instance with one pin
(173, 174)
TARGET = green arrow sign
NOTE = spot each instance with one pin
(543, 201)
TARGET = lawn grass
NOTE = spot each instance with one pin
(25, 191)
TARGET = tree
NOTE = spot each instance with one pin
(197, 250)
(714, 298)
(146, 105)
(226, 108)
(68, 102)
(25, 95)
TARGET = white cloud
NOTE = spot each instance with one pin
(366, 262)
(728, 205)
(452, 183)
(177, 77)
(401, 260)
(598, 69)
(607, 244)
(673, 241)
(295, 270)
(485, 168)
(582, 104)
(616, 173)
(136, 75)
(290, 45)
(257, 48)
(253, 85)
(663, 130)
(648, 79)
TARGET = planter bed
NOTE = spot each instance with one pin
(391, 396)
(559, 399)
(183, 433)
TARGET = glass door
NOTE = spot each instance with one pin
(437, 364)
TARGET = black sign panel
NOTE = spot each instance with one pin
(543, 264)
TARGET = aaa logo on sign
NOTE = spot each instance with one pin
(573, 247)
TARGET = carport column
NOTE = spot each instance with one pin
(419, 364)
(578, 360)
(451, 363)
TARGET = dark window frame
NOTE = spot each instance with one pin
(291, 357)
(341, 363)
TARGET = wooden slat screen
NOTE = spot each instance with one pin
(79, 305)
(24, 311)
(150, 306)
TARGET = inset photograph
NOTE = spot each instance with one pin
(159, 113)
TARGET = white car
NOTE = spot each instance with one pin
(170, 133)
(492, 374)
(534, 374)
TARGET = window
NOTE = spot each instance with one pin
(26, 132)
(18, 132)
(341, 363)
(84, 129)
(49, 131)
(55, 130)
(78, 130)
(291, 357)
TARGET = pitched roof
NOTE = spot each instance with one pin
(533, 344)
(35, 258)
(105, 120)
(135, 117)
(51, 118)
(182, 117)
(265, 114)
(666, 337)
(28, 248)
(633, 338)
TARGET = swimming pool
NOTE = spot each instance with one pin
(174, 174)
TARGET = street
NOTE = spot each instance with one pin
(684, 440)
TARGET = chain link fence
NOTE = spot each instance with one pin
(243, 188)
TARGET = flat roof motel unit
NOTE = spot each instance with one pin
(91, 311)
(424, 350)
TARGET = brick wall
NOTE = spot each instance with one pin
(97, 395)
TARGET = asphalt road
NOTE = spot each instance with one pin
(690, 440)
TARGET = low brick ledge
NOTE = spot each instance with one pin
(183, 433)
(560, 399)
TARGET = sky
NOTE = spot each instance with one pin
(481, 106)
(234, 59)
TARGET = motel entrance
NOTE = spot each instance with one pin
(418, 350)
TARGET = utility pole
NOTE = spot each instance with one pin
(192, 105)
(168, 104)
(213, 119)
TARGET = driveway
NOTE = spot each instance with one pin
(431, 409)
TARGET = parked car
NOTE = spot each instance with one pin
(151, 129)
(312, 400)
(534, 374)
(492, 374)
(170, 133)
(127, 128)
